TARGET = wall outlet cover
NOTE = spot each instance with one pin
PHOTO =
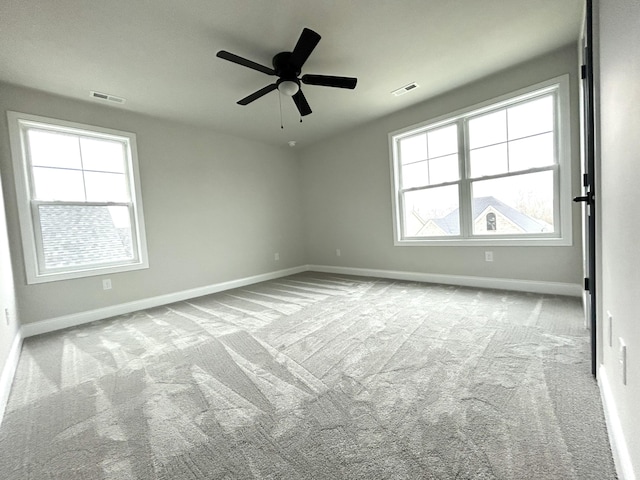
(622, 359)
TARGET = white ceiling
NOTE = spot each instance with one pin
(160, 54)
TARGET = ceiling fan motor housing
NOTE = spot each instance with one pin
(283, 67)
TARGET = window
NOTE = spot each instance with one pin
(79, 198)
(498, 173)
(491, 222)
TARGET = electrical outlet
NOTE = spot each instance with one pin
(6, 315)
(488, 256)
(609, 329)
(106, 284)
(622, 359)
(276, 256)
(338, 252)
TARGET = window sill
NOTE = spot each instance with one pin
(89, 272)
(487, 242)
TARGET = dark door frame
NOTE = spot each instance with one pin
(589, 180)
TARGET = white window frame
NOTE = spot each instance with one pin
(28, 207)
(563, 236)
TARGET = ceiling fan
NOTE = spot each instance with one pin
(287, 66)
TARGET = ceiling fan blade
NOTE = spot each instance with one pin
(330, 81)
(256, 95)
(306, 43)
(244, 62)
(302, 104)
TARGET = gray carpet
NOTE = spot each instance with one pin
(314, 376)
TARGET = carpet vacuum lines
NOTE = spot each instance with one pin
(314, 376)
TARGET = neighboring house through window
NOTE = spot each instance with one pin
(79, 198)
(496, 173)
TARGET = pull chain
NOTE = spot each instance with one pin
(280, 101)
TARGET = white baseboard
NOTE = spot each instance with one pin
(532, 286)
(8, 372)
(66, 321)
(72, 320)
(619, 449)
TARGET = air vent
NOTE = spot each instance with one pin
(405, 89)
(107, 97)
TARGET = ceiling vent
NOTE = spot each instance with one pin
(107, 97)
(405, 89)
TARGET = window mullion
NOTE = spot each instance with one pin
(557, 211)
(81, 204)
(508, 140)
(37, 235)
(515, 173)
(401, 220)
(134, 233)
(84, 179)
(466, 214)
(28, 163)
(427, 187)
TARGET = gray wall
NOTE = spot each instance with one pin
(347, 192)
(216, 207)
(7, 291)
(619, 91)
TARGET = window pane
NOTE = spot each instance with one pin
(443, 141)
(102, 155)
(53, 149)
(531, 118)
(413, 148)
(531, 152)
(443, 169)
(488, 129)
(415, 174)
(489, 160)
(74, 236)
(58, 184)
(522, 204)
(433, 212)
(106, 187)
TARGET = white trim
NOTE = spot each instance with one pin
(29, 227)
(75, 319)
(619, 449)
(9, 371)
(532, 286)
(560, 88)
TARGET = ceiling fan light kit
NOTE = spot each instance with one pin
(287, 66)
(288, 87)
